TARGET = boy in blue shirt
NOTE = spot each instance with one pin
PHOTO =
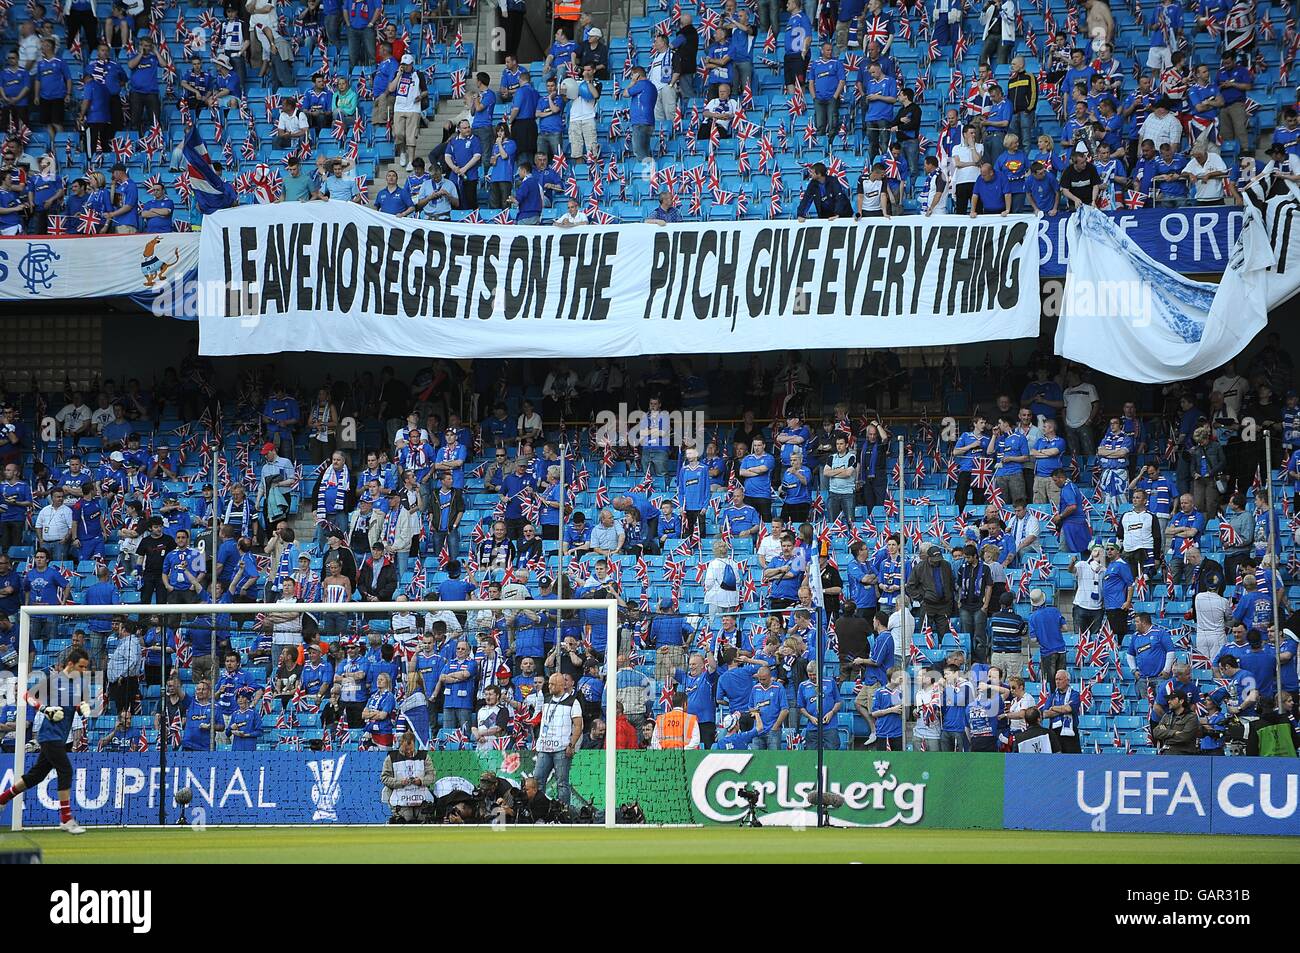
(245, 725)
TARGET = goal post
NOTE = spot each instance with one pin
(28, 614)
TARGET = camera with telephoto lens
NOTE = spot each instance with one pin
(630, 813)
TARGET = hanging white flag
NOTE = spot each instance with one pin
(1134, 318)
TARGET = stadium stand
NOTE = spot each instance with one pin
(1094, 80)
(148, 457)
(1088, 78)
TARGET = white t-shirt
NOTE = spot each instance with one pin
(923, 727)
(577, 218)
(1078, 404)
(582, 109)
(1016, 707)
(1232, 388)
(101, 418)
(727, 106)
(769, 547)
(294, 123)
(73, 417)
(869, 189)
(487, 717)
(290, 632)
(967, 154)
(1212, 190)
(1212, 612)
(406, 97)
(1087, 594)
(714, 594)
(533, 422)
(1138, 530)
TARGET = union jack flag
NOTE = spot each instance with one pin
(419, 581)
(89, 221)
(877, 31)
(666, 696)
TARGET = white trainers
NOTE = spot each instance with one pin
(410, 166)
(871, 740)
(401, 160)
(72, 827)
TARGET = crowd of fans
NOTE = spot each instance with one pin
(1037, 108)
(378, 490)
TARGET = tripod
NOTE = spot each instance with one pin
(750, 818)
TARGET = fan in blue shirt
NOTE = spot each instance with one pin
(391, 198)
(827, 74)
(768, 700)
(15, 81)
(1150, 650)
(757, 483)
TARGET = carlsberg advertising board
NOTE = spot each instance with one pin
(880, 790)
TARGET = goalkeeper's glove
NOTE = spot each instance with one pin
(84, 708)
(53, 712)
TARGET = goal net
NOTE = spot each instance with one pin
(338, 713)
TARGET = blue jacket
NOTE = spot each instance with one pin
(827, 198)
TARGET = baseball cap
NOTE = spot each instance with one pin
(407, 58)
(117, 457)
(267, 447)
(595, 31)
(1037, 597)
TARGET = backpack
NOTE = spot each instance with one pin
(729, 581)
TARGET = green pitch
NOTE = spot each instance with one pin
(645, 845)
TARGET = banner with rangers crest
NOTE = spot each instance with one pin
(106, 266)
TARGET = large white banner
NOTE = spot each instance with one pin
(1134, 318)
(104, 266)
(327, 276)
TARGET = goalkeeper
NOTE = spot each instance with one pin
(67, 689)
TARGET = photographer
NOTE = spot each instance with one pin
(494, 799)
(407, 776)
(532, 806)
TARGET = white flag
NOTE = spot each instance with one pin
(1134, 318)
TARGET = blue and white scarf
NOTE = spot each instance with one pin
(331, 496)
